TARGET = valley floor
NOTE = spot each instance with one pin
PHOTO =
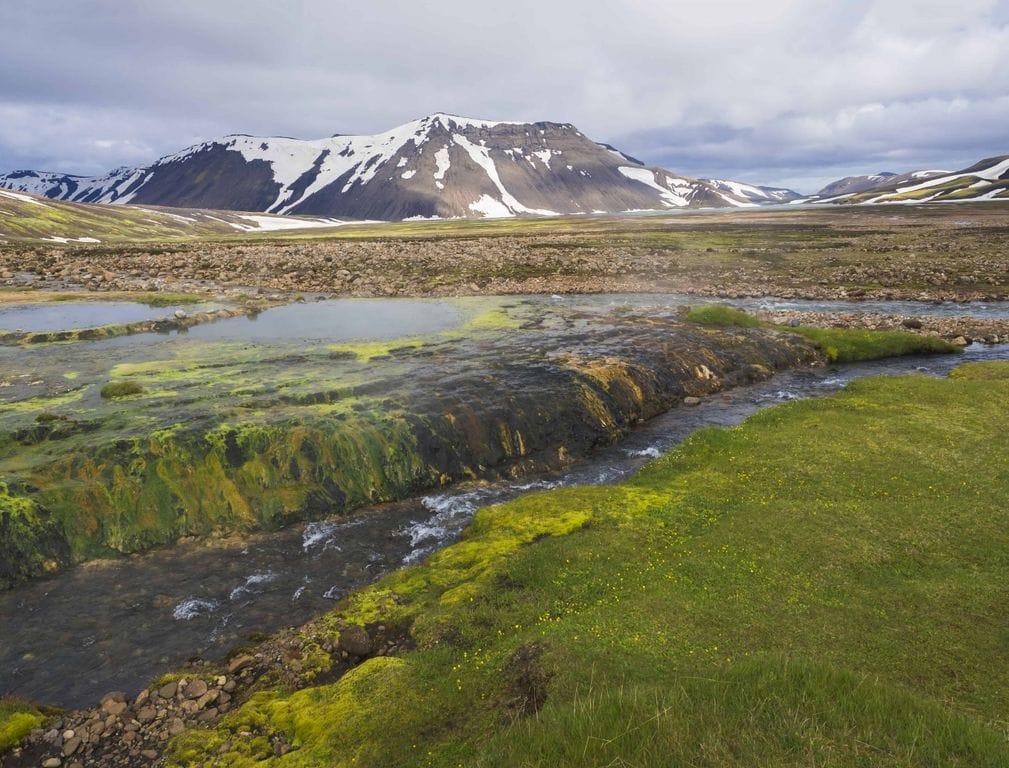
(954, 252)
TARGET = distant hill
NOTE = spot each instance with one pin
(985, 180)
(25, 216)
(439, 166)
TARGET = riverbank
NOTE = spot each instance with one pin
(800, 588)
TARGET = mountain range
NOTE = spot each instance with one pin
(987, 179)
(440, 166)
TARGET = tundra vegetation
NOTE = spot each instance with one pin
(822, 585)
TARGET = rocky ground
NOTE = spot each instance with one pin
(120, 731)
(956, 253)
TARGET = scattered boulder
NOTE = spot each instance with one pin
(354, 640)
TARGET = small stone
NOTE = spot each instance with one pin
(142, 698)
(960, 341)
(691, 400)
(150, 754)
(911, 322)
(230, 686)
(68, 734)
(70, 745)
(196, 689)
(167, 691)
(147, 714)
(129, 737)
(208, 698)
(180, 314)
(112, 707)
(52, 762)
(176, 726)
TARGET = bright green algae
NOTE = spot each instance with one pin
(824, 584)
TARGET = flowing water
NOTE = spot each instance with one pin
(116, 625)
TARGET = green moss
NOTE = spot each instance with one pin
(369, 350)
(118, 389)
(17, 719)
(822, 585)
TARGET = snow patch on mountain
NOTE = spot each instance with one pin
(647, 177)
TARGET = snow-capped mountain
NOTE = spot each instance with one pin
(438, 166)
(987, 179)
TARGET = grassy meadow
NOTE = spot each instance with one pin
(823, 585)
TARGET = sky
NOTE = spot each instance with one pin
(792, 93)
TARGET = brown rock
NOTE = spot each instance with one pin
(150, 754)
(147, 714)
(691, 400)
(168, 690)
(52, 762)
(196, 689)
(240, 662)
(355, 641)
(176, 726)
(71, 745)
(207, 698)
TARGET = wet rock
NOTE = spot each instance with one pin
(168, 690)
(911, 322)
(147, 714)
(355, 641)
(691, 400)
(113, 708)
(961, 341)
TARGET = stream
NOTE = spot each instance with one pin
(68, 639)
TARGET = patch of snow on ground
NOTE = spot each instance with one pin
(408, 174)
(57, 239)
(273, 223)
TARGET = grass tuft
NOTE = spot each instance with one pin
(116, 389)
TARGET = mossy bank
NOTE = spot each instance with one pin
(147, 443)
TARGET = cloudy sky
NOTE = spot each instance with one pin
(786, 92)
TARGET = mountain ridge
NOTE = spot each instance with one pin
(438, 166)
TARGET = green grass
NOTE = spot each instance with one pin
(842, 345)
(17, 719)
(115, 389)
(722, 315)
(824, 585)
(850, 345)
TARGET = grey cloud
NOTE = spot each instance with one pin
(774, 92)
